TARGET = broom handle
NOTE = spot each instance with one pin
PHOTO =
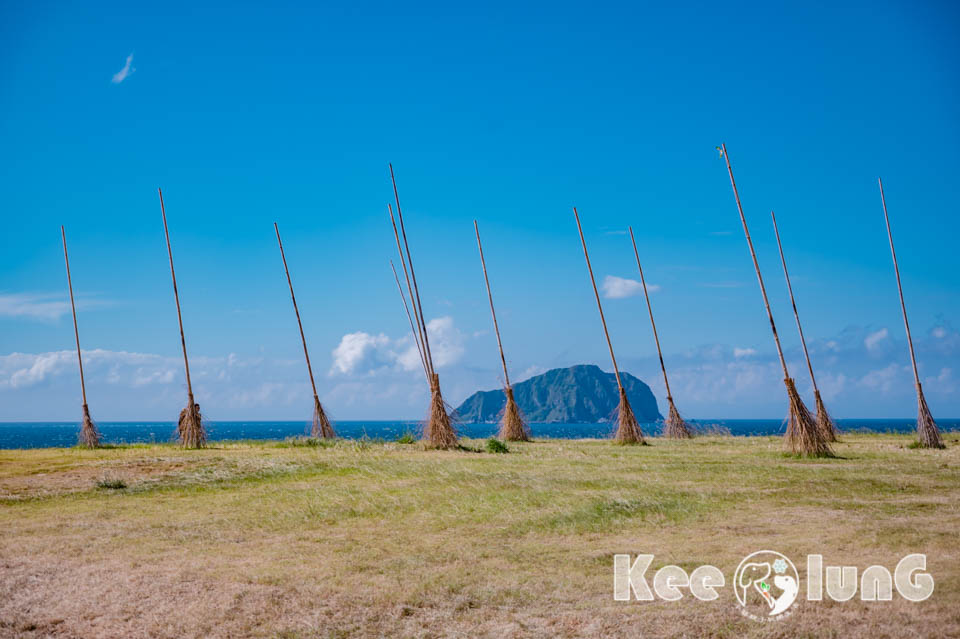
(896, 268)
(650, 310)
(756, 264)
(417, 334)
(594, 282)
(296, 310)
(176, 296)
(403, 297)
(796, 314)
(413, 275)
(496, 327)
(76, 331)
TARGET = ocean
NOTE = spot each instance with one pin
(55, 434)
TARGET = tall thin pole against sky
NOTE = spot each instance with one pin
(89, 436)
(674, 426)
(512, 425)
(824, 422)
(190, 424)
(927, 429)
(321, 425)
(628, 429)
(802, 437)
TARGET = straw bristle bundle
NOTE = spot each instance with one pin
(927, 429)
(321, 424)
(824, 422)
(803, 435)
(439, 432)
(628, 429)
(89, 435)
(190, 429)
(513, 428)
(675, 427)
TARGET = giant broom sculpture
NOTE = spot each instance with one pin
(321, 424)
(438, 431)
(803, 437)
(190, 429)
(628, 429)
(512, 425)
(927, 430)
(824, 421)
(89, 436)
(674, 427)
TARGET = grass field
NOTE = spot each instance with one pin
(371, 539)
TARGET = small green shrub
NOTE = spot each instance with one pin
(407, 438)
(914, 444)
(111, 483)
(494, 445)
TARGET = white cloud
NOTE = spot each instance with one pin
(881, 379)
(33, 305)
(361, 353)
(619, 287)
(446, 341)
(939, 332)
(744, 352)
(873, 340)
(125, 72)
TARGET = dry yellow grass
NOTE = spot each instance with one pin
(367, 539)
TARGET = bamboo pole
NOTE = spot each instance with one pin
(803, 436)
(493, 313)
(674, 426)
(73, 307)
(89, 436)
(406, 308)
(413, 276)
(824, 421)
(176, 297)
(418, 335)
(756, 265)
(653, 324)
(603, 320)
(927, 430)
(628, 429)
(321, 425)
(190, 425)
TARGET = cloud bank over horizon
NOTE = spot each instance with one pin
(862, 372)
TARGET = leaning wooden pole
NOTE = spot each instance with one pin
(512, 425)
(89, 436)
(673, 427)
(321, 423)
(413, 330)
(927, 431)
(803, 437)
(438, 431)
(824, 421)
(190, 428)
(628, 429)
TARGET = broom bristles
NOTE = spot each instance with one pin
(803, 435)
(628, 428)
(825, 423)
(439, 432)
(190, 427)
(321, 424)
(675, 427)
(513, 427)
(927, 430)
(89, 435)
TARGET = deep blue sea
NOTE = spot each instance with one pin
(53, 434)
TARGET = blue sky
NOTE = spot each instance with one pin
(508, 113)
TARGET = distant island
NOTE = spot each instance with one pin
(579, 394)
